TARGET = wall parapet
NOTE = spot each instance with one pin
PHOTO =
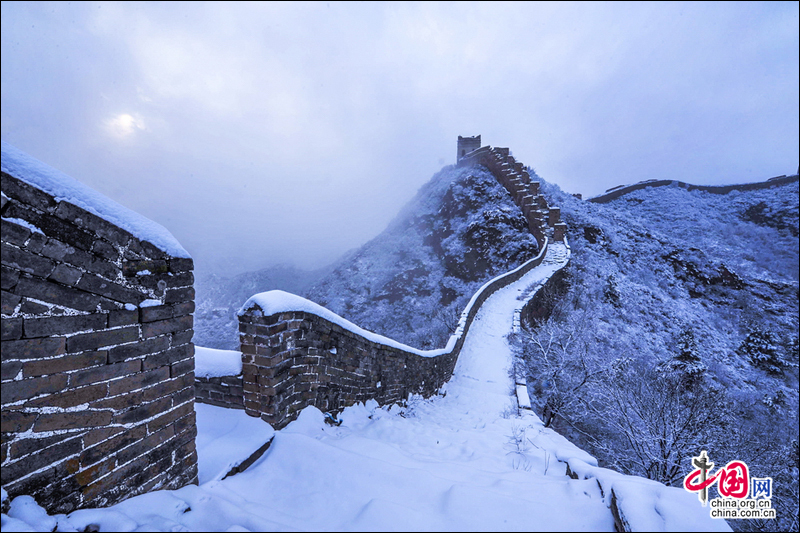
(97, 358)
(621, 190)
(296, 353)
(542, 218)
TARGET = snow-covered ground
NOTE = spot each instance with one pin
(463, 460)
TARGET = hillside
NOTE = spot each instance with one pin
(409, 283)
(676, 329)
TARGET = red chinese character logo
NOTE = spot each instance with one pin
(733, 480)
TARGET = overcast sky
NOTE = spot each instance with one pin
(289, 133)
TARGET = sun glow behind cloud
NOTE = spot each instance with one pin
(124, 125)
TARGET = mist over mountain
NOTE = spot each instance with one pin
(412, 281)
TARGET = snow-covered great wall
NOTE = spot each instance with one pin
(296, 353)
(98, 402)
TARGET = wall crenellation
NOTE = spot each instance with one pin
(97, 358)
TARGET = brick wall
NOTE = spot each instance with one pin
(225, 391)
(295, 359)
(543, 220)
(97, 391)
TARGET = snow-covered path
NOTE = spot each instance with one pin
(463, 460)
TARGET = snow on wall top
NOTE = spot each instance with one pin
(54, 182)
(277, 301)
(213, 363)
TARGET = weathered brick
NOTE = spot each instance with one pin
(138, 381)
(184, 294)
(30, 307)
(72, 420)
(60, 325)
(16, 421)
(161, 327)
(59, 251)
(152, 251)
(147, 444)
(93, 436)
(91, 222)
(13, 233)
(104, 373)
(172, 355)
(105, 250)
(35, 242)
(114, 479)
(185, 308)
(103, 287)
(8, 302)
(22, 447)
(48, 456)
(8, 277)
(11, 329)
(53, 226)
(164, 388)
(178, 369)
(155, 312)
(95, 453)
(34, 348)
(170, 417)
(184, 395)
(97, 339)
(123, 317)
(48, 291)
(184, 279)
(10, 369)
(104, 268)
(68, 275)
(182, 337)
(138, 349)
(142, 412)
(25, 261)
(132, 268)
(14, 391)
(90, 474)
(71, 398)
(27, 194)
(180, 264)
(41, 367)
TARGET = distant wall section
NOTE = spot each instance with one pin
(97, 358)
(616, 192)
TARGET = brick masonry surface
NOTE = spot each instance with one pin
(97, 392)
(225, 391)
(295, 359)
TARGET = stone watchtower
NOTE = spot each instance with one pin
(466, 145)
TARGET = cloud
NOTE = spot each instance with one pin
(268, 132)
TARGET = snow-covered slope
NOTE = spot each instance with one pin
(671, 290)
(413, 280)
(460, 461)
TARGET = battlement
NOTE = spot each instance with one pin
(467, 145)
